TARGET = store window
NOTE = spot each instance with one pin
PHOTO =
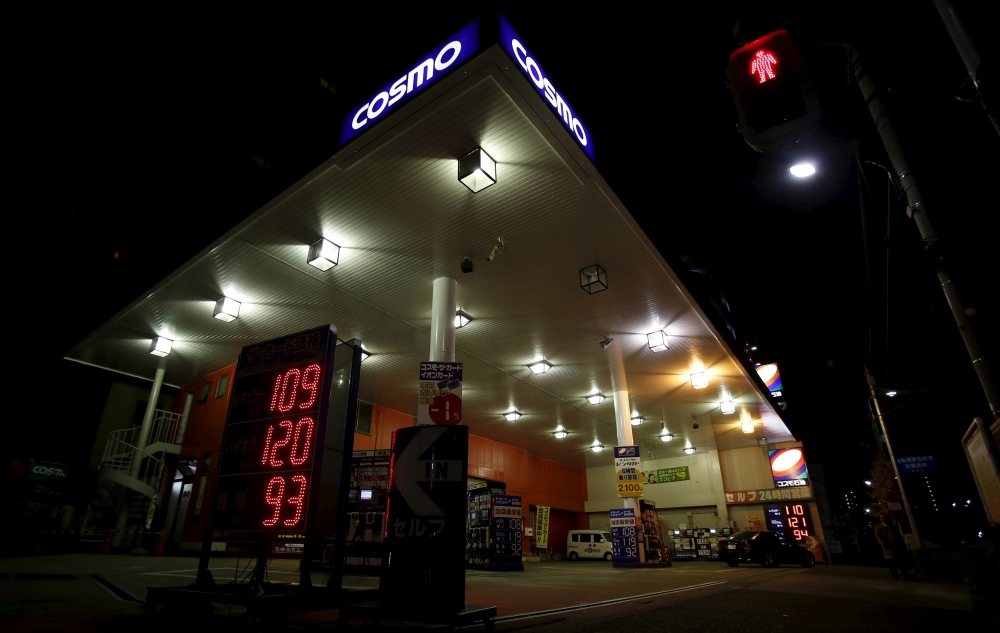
(585, 538)
(223, 383)
(205, 388)
(365, 410)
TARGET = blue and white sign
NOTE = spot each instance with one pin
(624, 538)
(435, 65)
(919, 464)
(515, 47)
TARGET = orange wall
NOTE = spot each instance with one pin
(538, 481)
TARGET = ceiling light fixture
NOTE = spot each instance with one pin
(540, 367)
(802, 170)
(477, 170)
(658, 341)
(664, 436)
(461, 319)
(747, 426)
(728, 408)
(891, 394)
(161, 346)
(597, 447)
(597, 398)
(323, 254)
(365, 354)
(594, 279)
(637, 420)
(689, 450)
(227, 309)
(699, 380)
(560, 433)
(512, 416)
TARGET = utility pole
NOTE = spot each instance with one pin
(892, 458)
(918, 210)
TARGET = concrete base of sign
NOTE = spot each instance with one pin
(371, 612)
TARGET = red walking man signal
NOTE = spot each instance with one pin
(761, 65)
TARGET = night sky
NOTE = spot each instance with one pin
(147, 136)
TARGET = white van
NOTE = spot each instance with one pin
(588, 544)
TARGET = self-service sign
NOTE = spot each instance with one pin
(628, 471)
(425, 519)
(624, 539)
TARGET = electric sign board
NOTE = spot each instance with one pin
(515, 48)
(425, 531)
(624, 539)
(795, 521)
(771, 377)
(788, 467)
(628, 471)
(432, 67)
(274, 435)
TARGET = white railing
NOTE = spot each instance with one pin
(122, 452)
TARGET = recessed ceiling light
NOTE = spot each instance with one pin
(689, 450)
(597, 448)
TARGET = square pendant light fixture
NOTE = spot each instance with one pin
(161, 346)
(512, 416)
(594, 279)
(477, 170)
(364, 354)
(540, 367)
(560, 434)
(689, 450)
(657, 341)
(227, 309)
(728, 408)
(747, 426)
(664, 436)
(597, 447)
(699, 380)
(597, 398)
(323, 254)
(637, 420)
(461, 319)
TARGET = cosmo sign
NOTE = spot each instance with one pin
(515, 47)
(433, 66)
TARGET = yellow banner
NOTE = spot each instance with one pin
(542, 526)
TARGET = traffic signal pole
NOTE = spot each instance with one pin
(918, 210)
(892, 458)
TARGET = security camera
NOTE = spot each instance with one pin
(606, 343)
(467, 265)
(499, 247)
(694, 426)
(694, 418)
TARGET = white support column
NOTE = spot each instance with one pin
(623, 410)
(147, 419)
(184, 417)
(443, 303)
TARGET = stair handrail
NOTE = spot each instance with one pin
(121, 455)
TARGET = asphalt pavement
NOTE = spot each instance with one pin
(104, 593)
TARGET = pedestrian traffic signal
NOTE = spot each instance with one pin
(773, 97)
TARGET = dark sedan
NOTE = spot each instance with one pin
(768, 549)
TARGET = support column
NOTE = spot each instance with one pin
(623, 410)
(147, 420)
(443, 304)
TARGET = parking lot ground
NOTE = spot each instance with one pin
(104, 593)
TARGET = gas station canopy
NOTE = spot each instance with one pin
(392, 201)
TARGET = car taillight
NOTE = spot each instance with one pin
(742, 545)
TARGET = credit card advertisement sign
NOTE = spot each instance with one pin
(439, 399)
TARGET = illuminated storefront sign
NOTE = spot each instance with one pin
(435, 65)
(788, 467)
(742, 497)
(772, 378)
(514, 45)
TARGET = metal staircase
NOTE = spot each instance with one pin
(137, 468)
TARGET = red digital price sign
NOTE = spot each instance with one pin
(798, 523)
(277, 419)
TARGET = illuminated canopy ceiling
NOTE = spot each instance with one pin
(392, 201)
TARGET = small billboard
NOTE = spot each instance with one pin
(772, 378)
(788, 467)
